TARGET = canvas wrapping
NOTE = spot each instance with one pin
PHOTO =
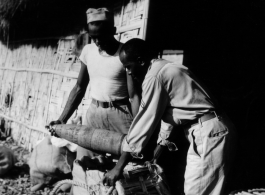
(48, 163)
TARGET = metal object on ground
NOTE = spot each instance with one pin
(94, 139)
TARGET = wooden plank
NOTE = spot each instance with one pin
(43, 130)
(66, 74)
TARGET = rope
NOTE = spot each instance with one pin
(89, 188)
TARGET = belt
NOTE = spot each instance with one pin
(121, 102)
(203, 118)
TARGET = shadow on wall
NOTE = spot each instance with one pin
(223, 43)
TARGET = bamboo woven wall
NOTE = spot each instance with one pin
(35, 83)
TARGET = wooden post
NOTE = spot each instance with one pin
(145, 18)
(35, 106)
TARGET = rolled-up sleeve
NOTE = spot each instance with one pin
(153, 104)
(165, 131)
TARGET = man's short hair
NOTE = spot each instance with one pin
(135, 48)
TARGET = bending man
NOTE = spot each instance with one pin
(170, 92)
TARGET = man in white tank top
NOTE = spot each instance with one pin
(101, 67)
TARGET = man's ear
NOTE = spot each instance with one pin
(141, 61)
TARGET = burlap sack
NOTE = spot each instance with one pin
(87, 181)
(49, 163)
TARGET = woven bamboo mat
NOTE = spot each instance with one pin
(35, 83)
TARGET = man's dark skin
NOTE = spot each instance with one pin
(102, 33)
(137, 67)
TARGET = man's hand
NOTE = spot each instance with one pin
(57, 122)
(112, 176)
(51, 130)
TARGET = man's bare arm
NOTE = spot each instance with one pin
(134, 94)
(76, 94)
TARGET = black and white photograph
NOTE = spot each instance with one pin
(132, 97)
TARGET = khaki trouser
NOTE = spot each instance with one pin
(209, 158)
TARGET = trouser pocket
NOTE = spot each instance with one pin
(195, 143)
(218, 130)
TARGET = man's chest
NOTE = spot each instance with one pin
(106, 67)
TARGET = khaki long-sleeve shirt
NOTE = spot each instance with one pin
(169, 92)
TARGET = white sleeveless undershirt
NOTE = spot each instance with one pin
(107, 75)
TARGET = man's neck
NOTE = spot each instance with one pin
(112, 47)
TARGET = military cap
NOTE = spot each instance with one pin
(100, 14)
